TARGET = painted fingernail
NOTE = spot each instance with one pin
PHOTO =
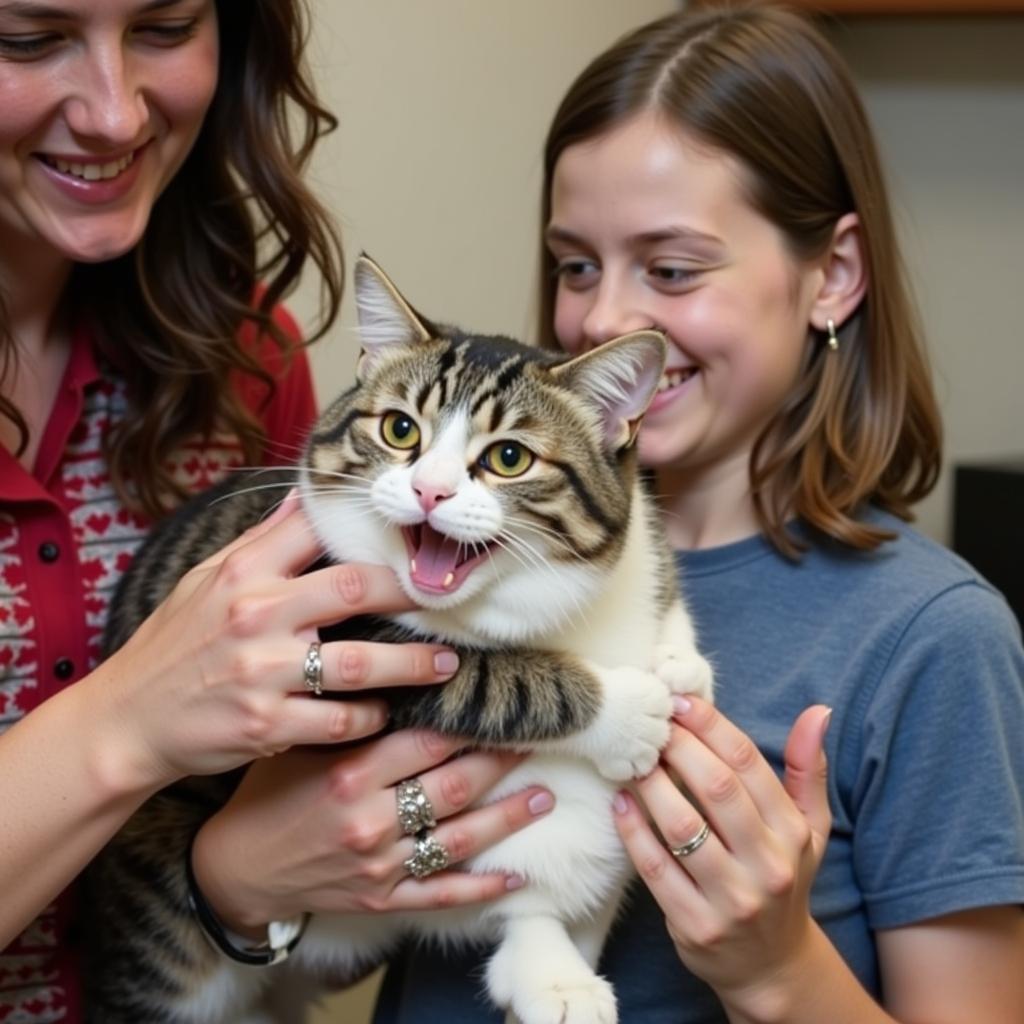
(540, 803)
(446, 663)
(620, 803)
(514, 882)
(680, 704)
(826, 721)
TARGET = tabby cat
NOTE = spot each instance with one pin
(499, 483)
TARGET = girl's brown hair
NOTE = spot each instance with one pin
(226, 241)
(761, 84)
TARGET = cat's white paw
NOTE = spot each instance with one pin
(632, 726)
(683, 670)
(578, 1001)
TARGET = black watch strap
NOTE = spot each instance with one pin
(282, 936)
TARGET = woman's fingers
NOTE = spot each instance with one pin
(359, 665)
(454, 786)
(736, 770)
(718, 789)
(676, 818)
(450, 783)
(463, 837)
(329, 721)
(675, 891)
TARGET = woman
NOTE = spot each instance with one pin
(152, 216)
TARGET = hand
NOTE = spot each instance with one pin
(737, 908)
(315, 830)
(213, 678)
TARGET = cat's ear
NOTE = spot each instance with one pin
(619, 378)
(386, 320)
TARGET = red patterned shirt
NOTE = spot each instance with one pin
(65, 540)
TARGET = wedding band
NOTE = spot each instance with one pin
(694, 844)
(313, 670)
(429, 856)
(415, 811)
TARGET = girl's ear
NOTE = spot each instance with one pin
(845, 276)
(386, 320)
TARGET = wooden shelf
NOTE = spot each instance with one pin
(877, 7)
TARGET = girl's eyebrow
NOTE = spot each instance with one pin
(555, 233)
(24, 9)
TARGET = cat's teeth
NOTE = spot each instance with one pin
(412, 565)
(449, 579)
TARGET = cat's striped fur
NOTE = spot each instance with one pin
(552, 584)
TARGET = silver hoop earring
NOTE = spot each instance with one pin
(833, 341)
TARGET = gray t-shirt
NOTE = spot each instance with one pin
(922, 662)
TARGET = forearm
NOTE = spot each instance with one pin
(817, 986)
(65, 789)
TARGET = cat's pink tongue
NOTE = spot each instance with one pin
(435, 562)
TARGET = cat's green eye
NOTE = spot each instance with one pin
(507, 458)
(399, 430)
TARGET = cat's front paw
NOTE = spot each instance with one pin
(683, 670)
(633, 724)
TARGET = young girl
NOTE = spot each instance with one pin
(151, 217)
(714, 176)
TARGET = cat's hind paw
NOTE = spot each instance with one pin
(585, 1001)
(683, 671)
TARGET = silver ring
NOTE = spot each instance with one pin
(429, 856)
(415, 811)
(694, 844)
(313, 670)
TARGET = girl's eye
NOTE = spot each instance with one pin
(168, 33)
(507, 458)
(28, 46)
(672, 275)
(399, 430)
(576, 272)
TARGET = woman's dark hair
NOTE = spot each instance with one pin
(762, 84)
(226, 240)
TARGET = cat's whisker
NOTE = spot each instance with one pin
(251, 490)
(546, 533)
(524, 547)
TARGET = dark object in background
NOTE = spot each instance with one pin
(988, 524)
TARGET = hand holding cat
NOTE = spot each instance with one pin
(315, 830)
(213, 678)
(737, 908)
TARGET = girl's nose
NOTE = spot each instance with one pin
(612, 314)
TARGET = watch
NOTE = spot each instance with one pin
(282, 936)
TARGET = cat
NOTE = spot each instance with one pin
(500, 484)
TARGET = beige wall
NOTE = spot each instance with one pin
(435, 169)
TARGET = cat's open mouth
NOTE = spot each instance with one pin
(439, 564)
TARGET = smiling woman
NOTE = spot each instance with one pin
(103, 109)
(144, 149)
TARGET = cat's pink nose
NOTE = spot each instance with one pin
(431, 495)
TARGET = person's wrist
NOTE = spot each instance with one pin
(269, 944)
(113, 760)
(240, 909)
(773, 997)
